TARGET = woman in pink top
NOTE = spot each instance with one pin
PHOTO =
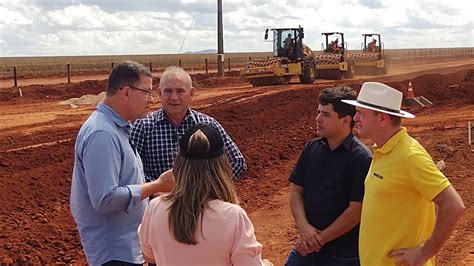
(200, 221)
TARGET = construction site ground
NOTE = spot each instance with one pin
(269, 124)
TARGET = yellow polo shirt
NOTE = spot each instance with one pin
(397, 211)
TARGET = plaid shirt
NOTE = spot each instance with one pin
(156, 139)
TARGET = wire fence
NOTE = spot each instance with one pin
(45, 67)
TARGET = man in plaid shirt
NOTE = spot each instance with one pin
(157, 136)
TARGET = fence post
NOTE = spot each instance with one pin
(151, 68)
(14, 76)
(250, 58)
(112, 65)
(228, 62)
(207, 66)
(179, 63)
(68, 73)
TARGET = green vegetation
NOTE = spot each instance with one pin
(94, 64)
(56, 65)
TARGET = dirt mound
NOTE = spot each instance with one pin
(212, 80)
(85, 99)
(447, 89)
(34, 93)
(441, 89)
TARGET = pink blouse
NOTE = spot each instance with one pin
(227, 238)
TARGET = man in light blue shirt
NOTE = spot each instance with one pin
(108, 192)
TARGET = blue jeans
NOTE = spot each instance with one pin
(323, 258)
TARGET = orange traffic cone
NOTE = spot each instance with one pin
(410, 93)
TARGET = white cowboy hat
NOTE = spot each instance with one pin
(381, 98)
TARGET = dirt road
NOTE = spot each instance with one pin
(270, 125)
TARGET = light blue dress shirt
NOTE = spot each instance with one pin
(105, 189)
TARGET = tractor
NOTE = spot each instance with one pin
(332, 63)
(291, 58)
(371, 59)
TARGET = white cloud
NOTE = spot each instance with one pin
(40, 27)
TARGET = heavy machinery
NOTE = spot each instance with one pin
(291, 58)
(371, 59)
(332, 62)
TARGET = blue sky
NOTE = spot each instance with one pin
(75, 27)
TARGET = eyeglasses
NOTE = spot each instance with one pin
(149, 93)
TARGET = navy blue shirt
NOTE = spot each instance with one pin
(330, 180)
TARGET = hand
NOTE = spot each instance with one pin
(266, 262)
(410, 256)
(302, 248)
(311, 236)
(165, 183)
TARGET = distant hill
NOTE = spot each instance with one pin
(207, 51)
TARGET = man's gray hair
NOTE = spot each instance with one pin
(176, 72)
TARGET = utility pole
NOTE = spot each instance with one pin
(220, 41)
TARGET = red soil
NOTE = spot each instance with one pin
(270, 125)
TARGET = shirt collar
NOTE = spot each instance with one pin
(394, 140)
(346, 143)
(112, 114)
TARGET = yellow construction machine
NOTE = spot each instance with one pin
(371, 60)
(332, 63)
(291, 58)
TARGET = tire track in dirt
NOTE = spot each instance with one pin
(270, 125)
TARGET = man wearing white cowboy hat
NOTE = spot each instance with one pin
(398, 221)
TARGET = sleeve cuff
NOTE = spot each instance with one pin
(148, 179)
(136, 192)
(438, 190)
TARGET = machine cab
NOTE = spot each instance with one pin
(372, 43)
(287, 42)
(334, 42)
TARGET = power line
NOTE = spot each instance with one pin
(189, 27)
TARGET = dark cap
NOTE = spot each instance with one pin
(214, 137)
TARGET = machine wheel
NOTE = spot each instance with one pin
(309, 71)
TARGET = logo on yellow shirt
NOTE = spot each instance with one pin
(378, 176)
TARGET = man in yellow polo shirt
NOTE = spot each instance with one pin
(399, 225)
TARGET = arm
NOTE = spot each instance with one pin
(164, 183)
(245, 249)
(344, 223)
(145, 236)
(307, 232)
(450, 209)
(348, 219)
(102, 163)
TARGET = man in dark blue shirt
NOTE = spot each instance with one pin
(327, 186)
